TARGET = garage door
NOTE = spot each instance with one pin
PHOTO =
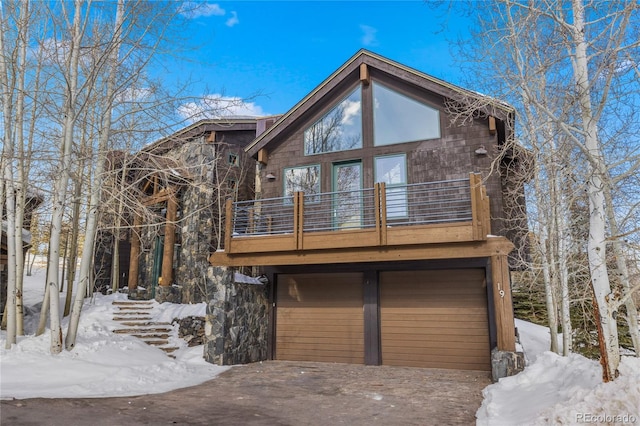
(435, 319)
(319, 317)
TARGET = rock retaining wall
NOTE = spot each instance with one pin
(236, 320)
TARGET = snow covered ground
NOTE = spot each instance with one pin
(551, 390)
(103, 363)
(561, 390)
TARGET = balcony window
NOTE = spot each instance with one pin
(392, 170)
(398, 118)
(302, 179)
(338, 130)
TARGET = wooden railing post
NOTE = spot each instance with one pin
(475, 190)
(298, 220)
(382, 212)
(228, 228)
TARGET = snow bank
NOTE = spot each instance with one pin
(103, 363)
(561, 390)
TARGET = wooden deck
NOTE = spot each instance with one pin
(374, 228)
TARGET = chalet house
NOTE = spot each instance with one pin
(160, 217)
(381, 227)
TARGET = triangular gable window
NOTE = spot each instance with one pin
(338, 130)
(398, 118)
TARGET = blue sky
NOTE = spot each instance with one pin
(281, 50)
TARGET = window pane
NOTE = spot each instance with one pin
(398, 119)
(305, 179)
(392, 171)
(340, 129)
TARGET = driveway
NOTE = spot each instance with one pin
(279, 393)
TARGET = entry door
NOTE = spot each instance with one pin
(347, 199)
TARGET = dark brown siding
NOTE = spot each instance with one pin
(319, 317)
(435, 319)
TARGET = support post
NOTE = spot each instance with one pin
(134, 255)
(503, 307)
(169, 242)
(228, 225)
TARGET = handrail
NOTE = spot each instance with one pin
(431, 203)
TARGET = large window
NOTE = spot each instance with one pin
(339, 130)
(305, 179)
(398, 118)
(392, 170)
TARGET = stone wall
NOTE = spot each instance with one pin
(236, 321)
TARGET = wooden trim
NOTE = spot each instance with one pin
(491, 247)
(212, 136)
(376, 202)
(492, 125)
(371, 308)
(263, 156)
(432, 233)
(505, 326)
(364, 74)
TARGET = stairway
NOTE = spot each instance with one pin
(135, 316)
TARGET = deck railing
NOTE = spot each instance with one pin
(448, 210)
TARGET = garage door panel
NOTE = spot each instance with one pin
(434, 319)
(319, 317)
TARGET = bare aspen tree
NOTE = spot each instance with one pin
(586, 96)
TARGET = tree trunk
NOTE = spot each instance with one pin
(596, 248)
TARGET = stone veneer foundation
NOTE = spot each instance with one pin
(237, 319)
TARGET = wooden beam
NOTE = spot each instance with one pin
(159, 197)
(493, 246)
(492, 125)
(169, 242)
(365, 78)
(503, 307)
(212, 137)
(134, 255)
(263, 156)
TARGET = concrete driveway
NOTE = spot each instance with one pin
(279, 393)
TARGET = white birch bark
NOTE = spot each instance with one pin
(92, 220)
(596, 248)
(62, 181)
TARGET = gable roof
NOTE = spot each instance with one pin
(491, 106)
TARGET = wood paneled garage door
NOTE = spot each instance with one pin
(435, 319)
(319, 317)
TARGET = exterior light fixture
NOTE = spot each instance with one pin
(270, 177)
(481, 151)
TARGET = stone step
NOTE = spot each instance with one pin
(132, 312)
(141, 330)
(169, 349)
(156, 342)
(144, 337)
(132, 308)
(131, 302)
(132, 319)
(143, 323)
